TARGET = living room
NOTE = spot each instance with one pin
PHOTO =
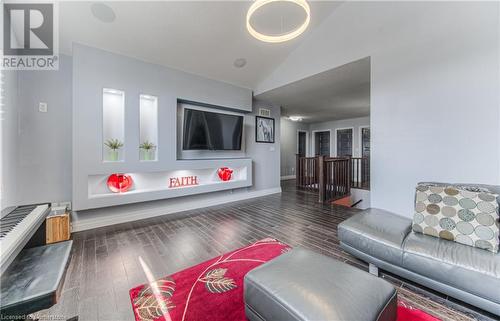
(141, 161)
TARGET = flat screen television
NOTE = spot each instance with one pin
(205, 130)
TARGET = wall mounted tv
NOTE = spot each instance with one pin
(205, 130)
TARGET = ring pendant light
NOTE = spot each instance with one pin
(279, 38)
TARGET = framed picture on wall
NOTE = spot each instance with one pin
(264, 129)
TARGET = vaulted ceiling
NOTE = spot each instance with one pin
(209, 38)
(339, 93)
(204, 37)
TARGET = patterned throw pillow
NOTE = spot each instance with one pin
(464, 214)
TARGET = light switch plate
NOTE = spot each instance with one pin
(42, 107)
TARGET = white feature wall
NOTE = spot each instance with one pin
(434, 89)
(93, 70)
(42, 168)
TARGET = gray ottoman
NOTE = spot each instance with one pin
(303, 285)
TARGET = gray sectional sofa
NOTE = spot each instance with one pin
(387, 241)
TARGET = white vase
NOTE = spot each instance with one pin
(113, 155)
(148, 154)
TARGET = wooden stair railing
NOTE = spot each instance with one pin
(336, 178)
(330, 176)
(360, 172)
(307, 170)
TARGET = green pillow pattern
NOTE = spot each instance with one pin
(461, 214)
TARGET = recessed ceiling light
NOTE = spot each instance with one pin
(281, 38)
(240, 62)
(103, 12)
(295, 118)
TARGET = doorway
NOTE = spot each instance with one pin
(344, 142)
(365, 142)
(302, 143)
(365, 157)
(322, 143)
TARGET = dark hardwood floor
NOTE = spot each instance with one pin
(107, 262)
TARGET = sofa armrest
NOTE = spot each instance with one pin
(376, 232)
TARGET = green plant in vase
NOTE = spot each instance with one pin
(114, 145)
(148, 149)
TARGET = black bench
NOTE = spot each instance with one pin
(34, 279)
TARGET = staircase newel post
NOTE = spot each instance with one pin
(321, 181)
(349, 176)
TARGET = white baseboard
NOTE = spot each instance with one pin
(119, 214)
(284, 178)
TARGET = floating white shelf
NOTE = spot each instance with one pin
(159, 181)
(151, 185)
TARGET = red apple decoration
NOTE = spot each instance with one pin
(119, 183)
(225, 173)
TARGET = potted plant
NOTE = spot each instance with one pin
(114, 145)
(148, 149)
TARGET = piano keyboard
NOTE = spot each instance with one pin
(13, 218)
(16, 229)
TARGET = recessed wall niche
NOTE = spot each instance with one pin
(113, 125)
(148, 115)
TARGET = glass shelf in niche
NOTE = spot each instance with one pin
(148, 128)
(113, 125)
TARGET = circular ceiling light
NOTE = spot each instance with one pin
(295, 118)
(280, 38)
(102, 12)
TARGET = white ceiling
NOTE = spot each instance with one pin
(203, 37)
(339, 93)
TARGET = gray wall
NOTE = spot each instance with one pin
(36, 147)
(44, 154)
(266, 157)
(9, 140)
(434, 89)
(288, 135)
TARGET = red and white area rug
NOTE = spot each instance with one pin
(213, 290)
